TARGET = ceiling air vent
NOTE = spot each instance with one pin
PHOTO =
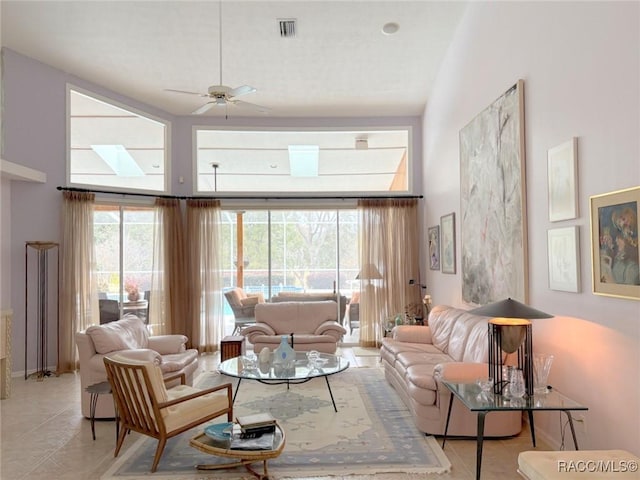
(287, 27)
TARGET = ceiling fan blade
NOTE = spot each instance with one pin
(260, 108)
(242, 90)
(184, 91)
(204, 108)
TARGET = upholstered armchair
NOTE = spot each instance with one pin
(243, 306)
(130, 338)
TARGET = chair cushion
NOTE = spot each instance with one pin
(192, 410)
(125, 334)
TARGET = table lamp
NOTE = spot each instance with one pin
(510, 332)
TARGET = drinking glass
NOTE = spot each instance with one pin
(516, 383)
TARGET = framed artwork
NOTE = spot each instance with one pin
(562, 173)
(614, 243)
(493, 206)
(434, 247)
(563, 245)
(448, 246)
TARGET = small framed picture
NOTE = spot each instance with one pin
(564, 268)
(448, 243)
(614, 243)
(434, 247)
(562, 173)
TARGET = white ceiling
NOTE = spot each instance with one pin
(339, 64)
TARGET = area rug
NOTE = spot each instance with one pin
(371, 433)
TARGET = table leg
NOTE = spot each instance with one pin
(446, 426)
(330, 393)
(533, 429)
(237, 388)
(480, 440)
(93, 400)
(573, 430)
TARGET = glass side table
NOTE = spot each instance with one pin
(473, 398)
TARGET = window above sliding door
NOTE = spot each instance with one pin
(113, 146)
(308, 161)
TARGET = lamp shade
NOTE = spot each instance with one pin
(369, 272)
(509, 308)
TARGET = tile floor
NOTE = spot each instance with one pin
(44, 436)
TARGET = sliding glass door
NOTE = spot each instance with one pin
(123, 239)
(270, 251)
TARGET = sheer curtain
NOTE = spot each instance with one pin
(389, 242)
(168, 301)
(78, 289)
(205, 276)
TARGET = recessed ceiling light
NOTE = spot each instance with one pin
(390, 28)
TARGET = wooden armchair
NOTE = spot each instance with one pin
(146, 406)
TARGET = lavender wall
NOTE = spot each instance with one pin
(580, 66)
(35, 136)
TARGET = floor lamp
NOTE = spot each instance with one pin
(368, 272)
(510, 332)
(42, 306)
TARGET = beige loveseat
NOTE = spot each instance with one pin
(454, 346)
(313, 297)
(313, 325)
(129, 337)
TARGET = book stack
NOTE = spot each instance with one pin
(257, 424)
(256, 432)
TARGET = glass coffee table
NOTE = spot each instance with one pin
(300, 372)
(473, 398)
(222, 448)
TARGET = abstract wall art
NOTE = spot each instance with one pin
(493, 205)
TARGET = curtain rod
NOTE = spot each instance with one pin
(241, 197)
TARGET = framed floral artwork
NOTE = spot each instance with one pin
(614, 243)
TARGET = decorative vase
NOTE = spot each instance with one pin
(284, 353)
(541, 367)
(265, 355)
(134, 296)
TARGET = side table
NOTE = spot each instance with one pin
(242, 457)
(231, 347)
(483, 403)
(96, 390)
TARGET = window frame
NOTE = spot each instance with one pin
(410, 167)
(110, 101)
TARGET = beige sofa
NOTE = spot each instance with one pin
(313, 297)
(454, 346)
(313, 325)
(129, 337)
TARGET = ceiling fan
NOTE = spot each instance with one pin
(222, 95)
